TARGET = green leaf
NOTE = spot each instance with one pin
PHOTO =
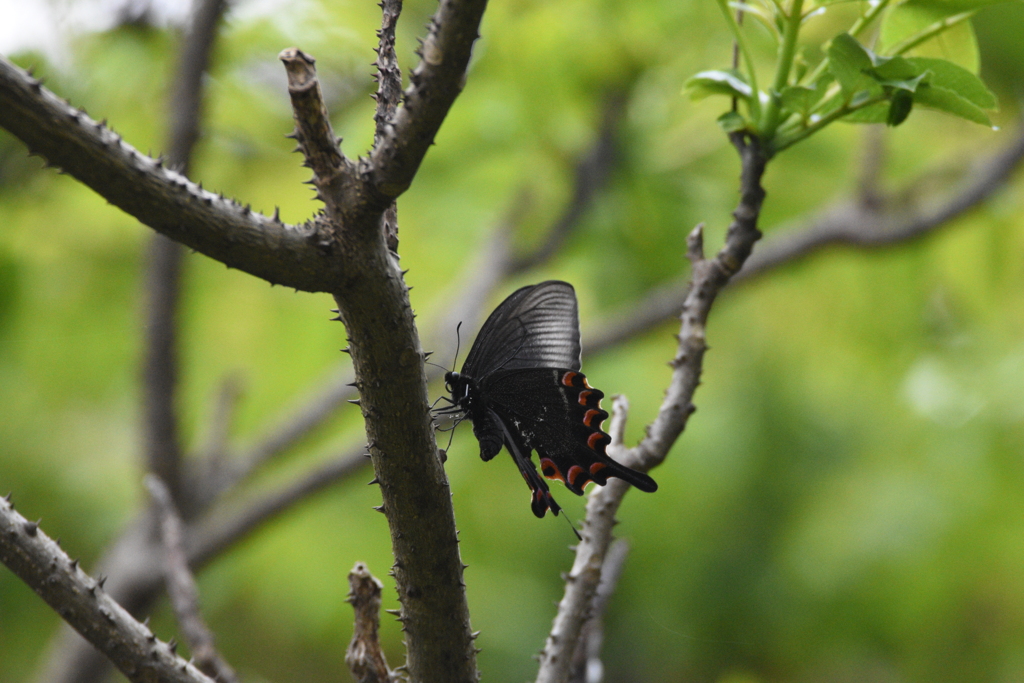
(799, 99)
(899, 108)
(897, 73)
(951, 103)
(945, 74)
(849, 62)
(904, 21)
(732, 122)
(906, 84)
(895, 68)
(874, 113)
(719, 82)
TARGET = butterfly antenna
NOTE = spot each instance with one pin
(572, 526)
(436, 365)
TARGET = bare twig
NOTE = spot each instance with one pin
(709, 277)
(847, 223)
(312, 413)
(364, 656)
(586, 661)
(435, 83)
(222, 417)
(388, 96)
(163, 448)
(81, 601)
(219, 529)
(182, 589)
(160, 373)
(591, 175)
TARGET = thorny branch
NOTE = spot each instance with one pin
(160, 197)
(182, 589)
(708, 279)
(388, 97)
(81, 601)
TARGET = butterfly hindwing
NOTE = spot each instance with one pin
(558, 414)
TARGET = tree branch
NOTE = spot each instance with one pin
(591, 175)
(847, 223)
(296, 256)
(136, 574)
(586, 664)
(388, 96)
(182, 589)
(709, 277)
(160, 366)
(163, 449)
(221, 528)
(81, 601)
(364, 656)
(435, 83)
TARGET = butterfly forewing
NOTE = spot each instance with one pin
(535, 327)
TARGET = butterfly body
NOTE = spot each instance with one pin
(522, 388)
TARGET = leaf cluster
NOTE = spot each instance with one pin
(924, 54)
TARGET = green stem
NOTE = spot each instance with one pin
(786, 139)
(786, 53)
(930, 32)
(858, 27)
(755, 102)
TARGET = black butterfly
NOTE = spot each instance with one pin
(521, 386)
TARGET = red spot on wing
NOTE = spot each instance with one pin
(584, 395)
(594, 440)
(574, 472)
(591, 414)
(597, 467)
(568, 377)
(550, 470)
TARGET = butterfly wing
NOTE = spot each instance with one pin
(535, 327)
(557, 413)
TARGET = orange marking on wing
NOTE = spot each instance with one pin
(591, 414)
(586, 383)
(568, 377)
(594, 439)
(574, 472)
(584, 395)
(550, 470)
(597, 467)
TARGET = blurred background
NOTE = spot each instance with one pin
(847, 504)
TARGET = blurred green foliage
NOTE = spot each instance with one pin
(846, 504)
